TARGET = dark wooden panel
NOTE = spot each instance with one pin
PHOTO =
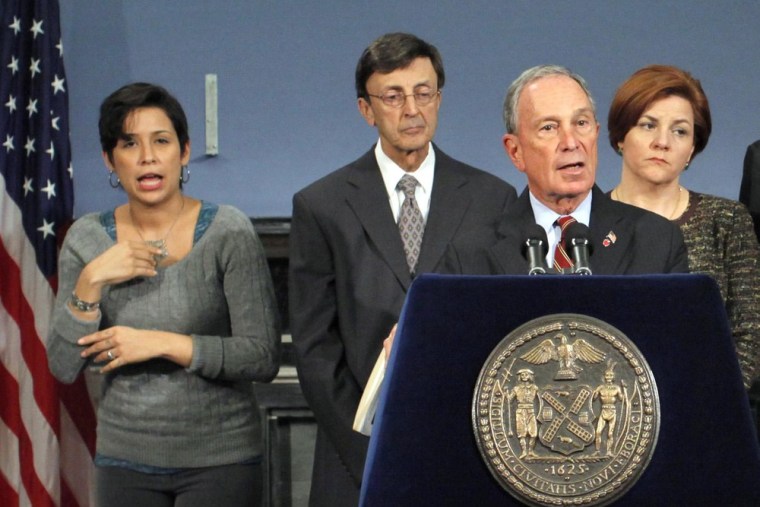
(274, 233)
(289, 435)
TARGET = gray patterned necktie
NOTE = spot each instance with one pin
(410, 222)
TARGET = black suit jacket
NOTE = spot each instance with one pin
(749, 192)
(348, 280)
(644, 243)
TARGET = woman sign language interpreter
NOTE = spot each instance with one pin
(170, 298)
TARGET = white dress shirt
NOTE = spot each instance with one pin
(392, 173)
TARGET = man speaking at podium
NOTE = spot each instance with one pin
(552, 136)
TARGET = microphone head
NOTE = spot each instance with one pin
(534, 249)
(535, 235)
(576, 233)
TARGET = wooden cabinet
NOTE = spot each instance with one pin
(287, 422)
(289, 434)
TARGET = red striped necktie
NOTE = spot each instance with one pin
(562, 261)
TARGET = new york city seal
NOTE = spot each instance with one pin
(566, 412)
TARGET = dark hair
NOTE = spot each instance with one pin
(650, 84)
(117, 106)
(395, 51)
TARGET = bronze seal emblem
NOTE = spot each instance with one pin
(566, 412)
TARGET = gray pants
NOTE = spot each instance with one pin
(229, 485)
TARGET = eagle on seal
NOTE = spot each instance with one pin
(566, 353)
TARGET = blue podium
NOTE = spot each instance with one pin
(423, 449)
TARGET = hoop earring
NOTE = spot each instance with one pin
(184, 177)
(117, 184)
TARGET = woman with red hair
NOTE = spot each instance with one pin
(658, 122)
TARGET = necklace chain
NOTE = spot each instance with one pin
(158, 243)
(678, 204)
(616, 195)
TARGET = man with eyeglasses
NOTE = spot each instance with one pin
(361, 234)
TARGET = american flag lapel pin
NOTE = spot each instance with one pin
(609, 239)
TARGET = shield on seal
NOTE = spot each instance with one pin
(566, 418)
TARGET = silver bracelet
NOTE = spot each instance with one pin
(83, 306)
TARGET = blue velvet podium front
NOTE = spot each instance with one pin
(423, 451)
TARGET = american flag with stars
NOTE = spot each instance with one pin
(46, 429)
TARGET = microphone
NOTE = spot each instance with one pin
(578, 242)
(535, 248)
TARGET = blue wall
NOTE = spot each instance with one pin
(287, 108)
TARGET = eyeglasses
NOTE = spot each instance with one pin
(396, 98)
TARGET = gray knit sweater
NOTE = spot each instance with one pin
(158, 413)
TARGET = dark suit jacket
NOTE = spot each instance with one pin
(644, 243)
(348, 280)
(749, 192)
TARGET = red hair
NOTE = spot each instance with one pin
(648, 85)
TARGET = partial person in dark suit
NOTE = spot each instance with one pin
(749, 193)
(349, 270)
(551, 136)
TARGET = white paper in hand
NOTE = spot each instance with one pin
(365, 414)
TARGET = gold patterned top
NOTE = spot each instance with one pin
(721, 242)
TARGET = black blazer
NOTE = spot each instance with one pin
(637, 242)
(749, 192)
(348, 280)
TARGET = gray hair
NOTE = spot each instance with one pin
(527, 77)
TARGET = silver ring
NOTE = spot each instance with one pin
(110, 354)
